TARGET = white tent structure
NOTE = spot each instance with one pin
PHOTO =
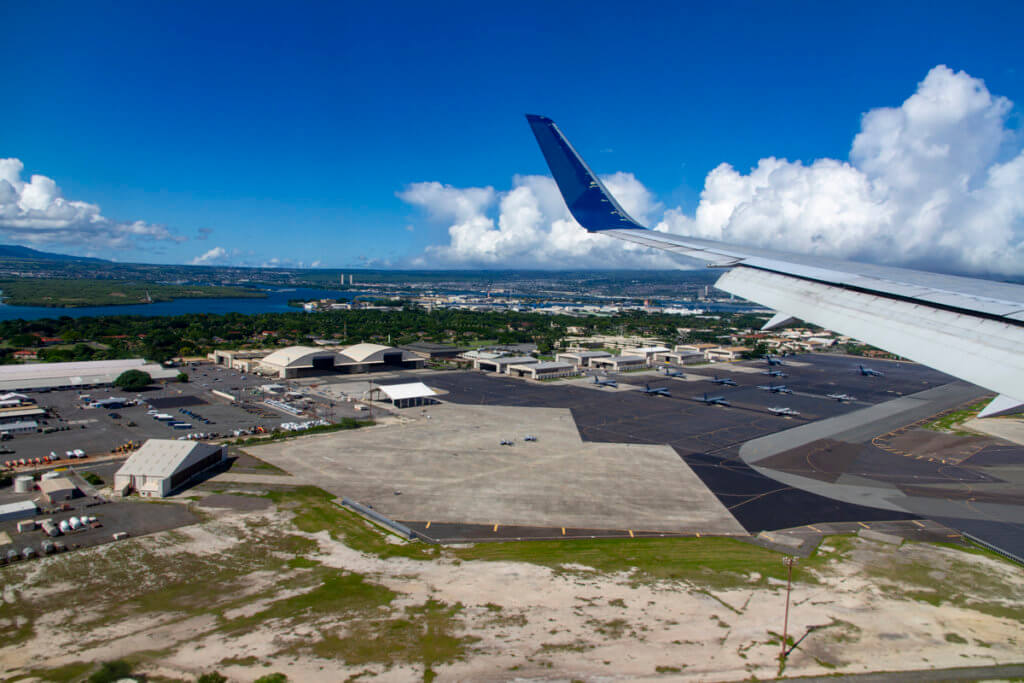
(406, 395)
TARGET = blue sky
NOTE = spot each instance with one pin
(287, 131)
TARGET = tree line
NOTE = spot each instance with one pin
(165, 337)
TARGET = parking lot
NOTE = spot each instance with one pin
(99, 431)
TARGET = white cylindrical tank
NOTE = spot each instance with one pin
(64, 526)
(24, 483)
(74, 523)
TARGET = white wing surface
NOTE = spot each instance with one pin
(969, 328)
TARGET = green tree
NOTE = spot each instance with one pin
(760, 350)
(212, 677)
(133, 380)
(272, 678)
(111, 671)
(182, 377)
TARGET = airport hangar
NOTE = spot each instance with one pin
(75, 375)
(308, 361)
(163, 466)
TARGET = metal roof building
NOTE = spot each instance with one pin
(19, 426)
(45, 376)
(619, 363)
(58, 489)
(581, 358)
(501, 363)
(18, 510)
(163, 465)
(545, 370)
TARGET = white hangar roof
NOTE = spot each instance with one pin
(362, 352)
(43, 375)
(164, 457)
(291, 356)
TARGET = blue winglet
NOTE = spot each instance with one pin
(588, 200)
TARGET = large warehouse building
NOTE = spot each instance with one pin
(162, 466)
(307, 361)
(81, 374)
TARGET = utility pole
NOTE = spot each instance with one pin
(789, 561)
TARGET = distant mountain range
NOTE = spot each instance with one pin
(18, 251)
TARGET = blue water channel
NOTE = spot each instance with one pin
(276, 301)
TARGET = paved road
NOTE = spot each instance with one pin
(971, 673)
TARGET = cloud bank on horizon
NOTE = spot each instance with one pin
(937, 182)
(36, 212)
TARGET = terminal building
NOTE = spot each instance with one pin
(163, 466)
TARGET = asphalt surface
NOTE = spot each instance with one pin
(708, 437)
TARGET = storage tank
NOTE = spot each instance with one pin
(24, 483)
(50, 528)
(28, 553)
(74, 523)
(48, 547)
(64, 526)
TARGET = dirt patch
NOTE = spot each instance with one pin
(305, 588)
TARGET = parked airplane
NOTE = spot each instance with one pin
(868, 372)
(723, 380)
(712, 400)
(605, 382)
(775, 373)
(776, 388)
(930, 318)
(673, 372)
(773, 361)
(842, 397)
(783, 410)
(656, 391)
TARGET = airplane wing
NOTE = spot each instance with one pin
(969, 328)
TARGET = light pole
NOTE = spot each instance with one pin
(789, 561)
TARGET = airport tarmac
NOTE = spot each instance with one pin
(452, 467)
(706, 440)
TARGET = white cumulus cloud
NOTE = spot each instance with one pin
(214, 255)
(533, 227)
(936, 182)
(36, 212)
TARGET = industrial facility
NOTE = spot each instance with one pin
(162, 466)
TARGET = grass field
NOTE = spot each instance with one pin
(949, 421)
(265, 578)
